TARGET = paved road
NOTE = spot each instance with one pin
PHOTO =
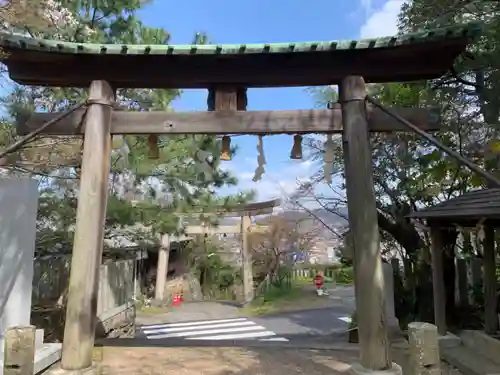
(218, 329)
(282, 327)
(325, 321)
(212, 321)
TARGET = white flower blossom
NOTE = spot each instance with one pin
(62, 22)
(41, 18)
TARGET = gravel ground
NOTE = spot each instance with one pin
(230, 361)
(223, 361)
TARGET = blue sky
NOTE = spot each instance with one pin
(260, 21)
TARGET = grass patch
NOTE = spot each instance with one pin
(140, 307)
(284, 299)
(153, 310)
(342, 276)
(306, 281)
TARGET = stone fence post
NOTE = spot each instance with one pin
(423, 343)
(19, 351)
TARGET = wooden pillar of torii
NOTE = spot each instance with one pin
(363, 224)
(80, 324)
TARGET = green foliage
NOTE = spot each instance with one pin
(344, 275)
(332, 273)
(276, 292)
(282, 278)
(410, 173)
(175, 182)
(218, 277)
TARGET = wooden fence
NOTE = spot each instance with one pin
(51, 276)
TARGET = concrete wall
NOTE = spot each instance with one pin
(51, 277)
(18, 210)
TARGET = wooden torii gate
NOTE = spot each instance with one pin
(245, 212)
(226, 71)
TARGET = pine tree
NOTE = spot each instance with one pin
(143, 191)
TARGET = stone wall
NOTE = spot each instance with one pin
(118, 322)
(186, 284)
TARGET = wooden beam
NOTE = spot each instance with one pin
(255, 212)
(226, 99)
(234, 122)
(248, 209)
(438, 288)
(490, 281)
(222, 229)
(246, 255)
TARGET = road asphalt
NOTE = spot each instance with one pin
(219, 321)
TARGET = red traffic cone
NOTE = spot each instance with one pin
(176, 301)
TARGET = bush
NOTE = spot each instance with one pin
(344, 275)
(275, 292)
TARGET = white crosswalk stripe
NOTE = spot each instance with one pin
(222, 329)
(346, 319)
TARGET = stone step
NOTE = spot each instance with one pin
(468, 361)
(482, 343)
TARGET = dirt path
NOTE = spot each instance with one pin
(223, 361)
(268, 360)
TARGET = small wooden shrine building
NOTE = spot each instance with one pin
(227, 71)
(478, 211)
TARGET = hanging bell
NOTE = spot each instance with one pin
(154, 151)
(296, 152)
(226, 148)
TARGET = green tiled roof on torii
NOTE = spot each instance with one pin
(29, 60)
(16, 41)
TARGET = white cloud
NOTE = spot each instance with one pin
(245, 175)
(306, 164)
(275, 183)
(382, 22)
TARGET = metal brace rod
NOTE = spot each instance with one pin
(473, 167)
(21, 142)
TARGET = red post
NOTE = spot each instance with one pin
(319, 280)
